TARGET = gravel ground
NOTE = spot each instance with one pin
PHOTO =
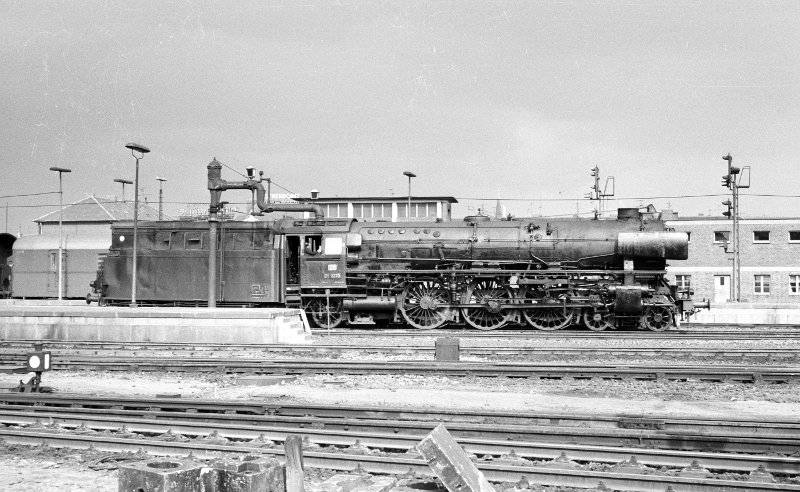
(30, 469)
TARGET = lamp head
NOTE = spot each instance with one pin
(61, 169)
(409, 174)
(137, 148)
(123, 181)
(159, 178)
(250, 171)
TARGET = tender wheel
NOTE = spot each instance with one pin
(325, 314)
(657, 318)
(488, 295)
(424, 304)
(597, 320)
(549, 318)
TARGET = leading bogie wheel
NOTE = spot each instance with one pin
(325, 313)
(425, 304)
(488, 295)
(657, 318)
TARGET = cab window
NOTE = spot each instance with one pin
(333, 246)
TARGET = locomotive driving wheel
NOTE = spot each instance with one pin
(424, 304)
(547, 318)
(598, 320)
(488, 296)
(325, 313)
(656, 318)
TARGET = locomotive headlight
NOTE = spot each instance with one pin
(38, 362)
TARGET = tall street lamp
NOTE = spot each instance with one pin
(60, 171)
(141, 150)
(160, 196)
(410, 175)
(123, 182)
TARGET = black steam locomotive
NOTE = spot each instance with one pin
(538, 272)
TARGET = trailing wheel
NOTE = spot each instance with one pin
(488, 295)
(598, 320)
(656, 318)
(325, 313)
(549, 318)
(424, 304)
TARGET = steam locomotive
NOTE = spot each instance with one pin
(542, 273)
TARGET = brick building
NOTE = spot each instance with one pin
(389, 209)
(769, 252)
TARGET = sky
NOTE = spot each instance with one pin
(480, 99)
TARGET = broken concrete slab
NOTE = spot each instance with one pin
(160, 475)
(451, 464)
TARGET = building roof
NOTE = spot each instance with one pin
(98, 209)
(371, 199)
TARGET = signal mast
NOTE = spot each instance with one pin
(734, 180)
(598, 195)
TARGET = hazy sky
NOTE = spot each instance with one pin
(480, 99)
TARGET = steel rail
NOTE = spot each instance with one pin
(141, 349)
(547, 474)
(743, 333)
(188, 426)
(646, 372)
(618, 430)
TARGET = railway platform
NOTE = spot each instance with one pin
(745, 313)
(64, 322)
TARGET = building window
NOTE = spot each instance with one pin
(53, 257)
(689, 236)
(382, 210)
(794, 284)
(794, 236)
(761, 284)
(684, 282)
(760, 236)
(722, 236)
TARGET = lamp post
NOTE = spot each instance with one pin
(60, 171)
(123, 182)
(141, 150)
(160, 196)
(410, 175)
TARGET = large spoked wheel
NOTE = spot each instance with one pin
(657, 318)
(325, 313)
(597, 320)
(546, 318)
(488, 296)
(424, 304)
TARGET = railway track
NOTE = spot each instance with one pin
(726, 349)
(576, 370)
(175, 427)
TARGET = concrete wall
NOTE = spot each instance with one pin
(168, 325)
(750, 314)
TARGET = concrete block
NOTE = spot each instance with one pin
(251, 474)
(160, 475)
(447, 349)
(451, 464)
(355, 483)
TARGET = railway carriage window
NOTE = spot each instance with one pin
(794, 284)
(194, 240)
(684, 282)
(333, 246)
(722, 236)
(760, 236)
(162, 240)
(259, 238)
(176, 241)
(794, 236)
(761, 284)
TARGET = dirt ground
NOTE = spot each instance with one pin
(34, 470)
